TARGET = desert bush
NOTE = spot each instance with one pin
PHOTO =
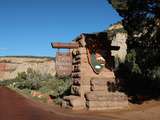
(56, 88)
(28, 80)
(44, 83)
(5, 82)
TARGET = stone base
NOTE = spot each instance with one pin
(99, 100)
(106, 105)
(74, 102)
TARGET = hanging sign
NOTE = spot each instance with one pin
(63, 64)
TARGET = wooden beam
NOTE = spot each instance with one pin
(64, 45)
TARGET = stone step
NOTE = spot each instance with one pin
(73, 102)
(100, 81)
(96, 95)
(105, 96)
(101, 84)
(99, 88)
(106, 105)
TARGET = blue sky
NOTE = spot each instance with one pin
(27, 27)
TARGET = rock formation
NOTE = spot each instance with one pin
(11, 66)
(118, 36)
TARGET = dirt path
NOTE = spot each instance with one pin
(16, 107)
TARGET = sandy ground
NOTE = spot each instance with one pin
(149, 110)
(16, 107)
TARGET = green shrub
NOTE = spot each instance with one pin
(44, 83)
(9, 82)
(59, 87)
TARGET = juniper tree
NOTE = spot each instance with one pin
(141, 19)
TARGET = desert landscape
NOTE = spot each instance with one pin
(146, 111)
(80, 60)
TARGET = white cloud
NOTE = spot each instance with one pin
(3, 49)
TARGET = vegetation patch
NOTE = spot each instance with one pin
(40, 86)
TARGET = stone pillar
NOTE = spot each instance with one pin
(90, 90)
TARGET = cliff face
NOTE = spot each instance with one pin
(118, 36)
(11, 66)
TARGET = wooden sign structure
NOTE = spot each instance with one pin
(92, 77)
(64, 59)
(63, 64)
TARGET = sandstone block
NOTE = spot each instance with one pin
(106, 105)
(96, 95)
(99, 87)
(74, 102)
(100, 81)
(96, 105)
(75, 90)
